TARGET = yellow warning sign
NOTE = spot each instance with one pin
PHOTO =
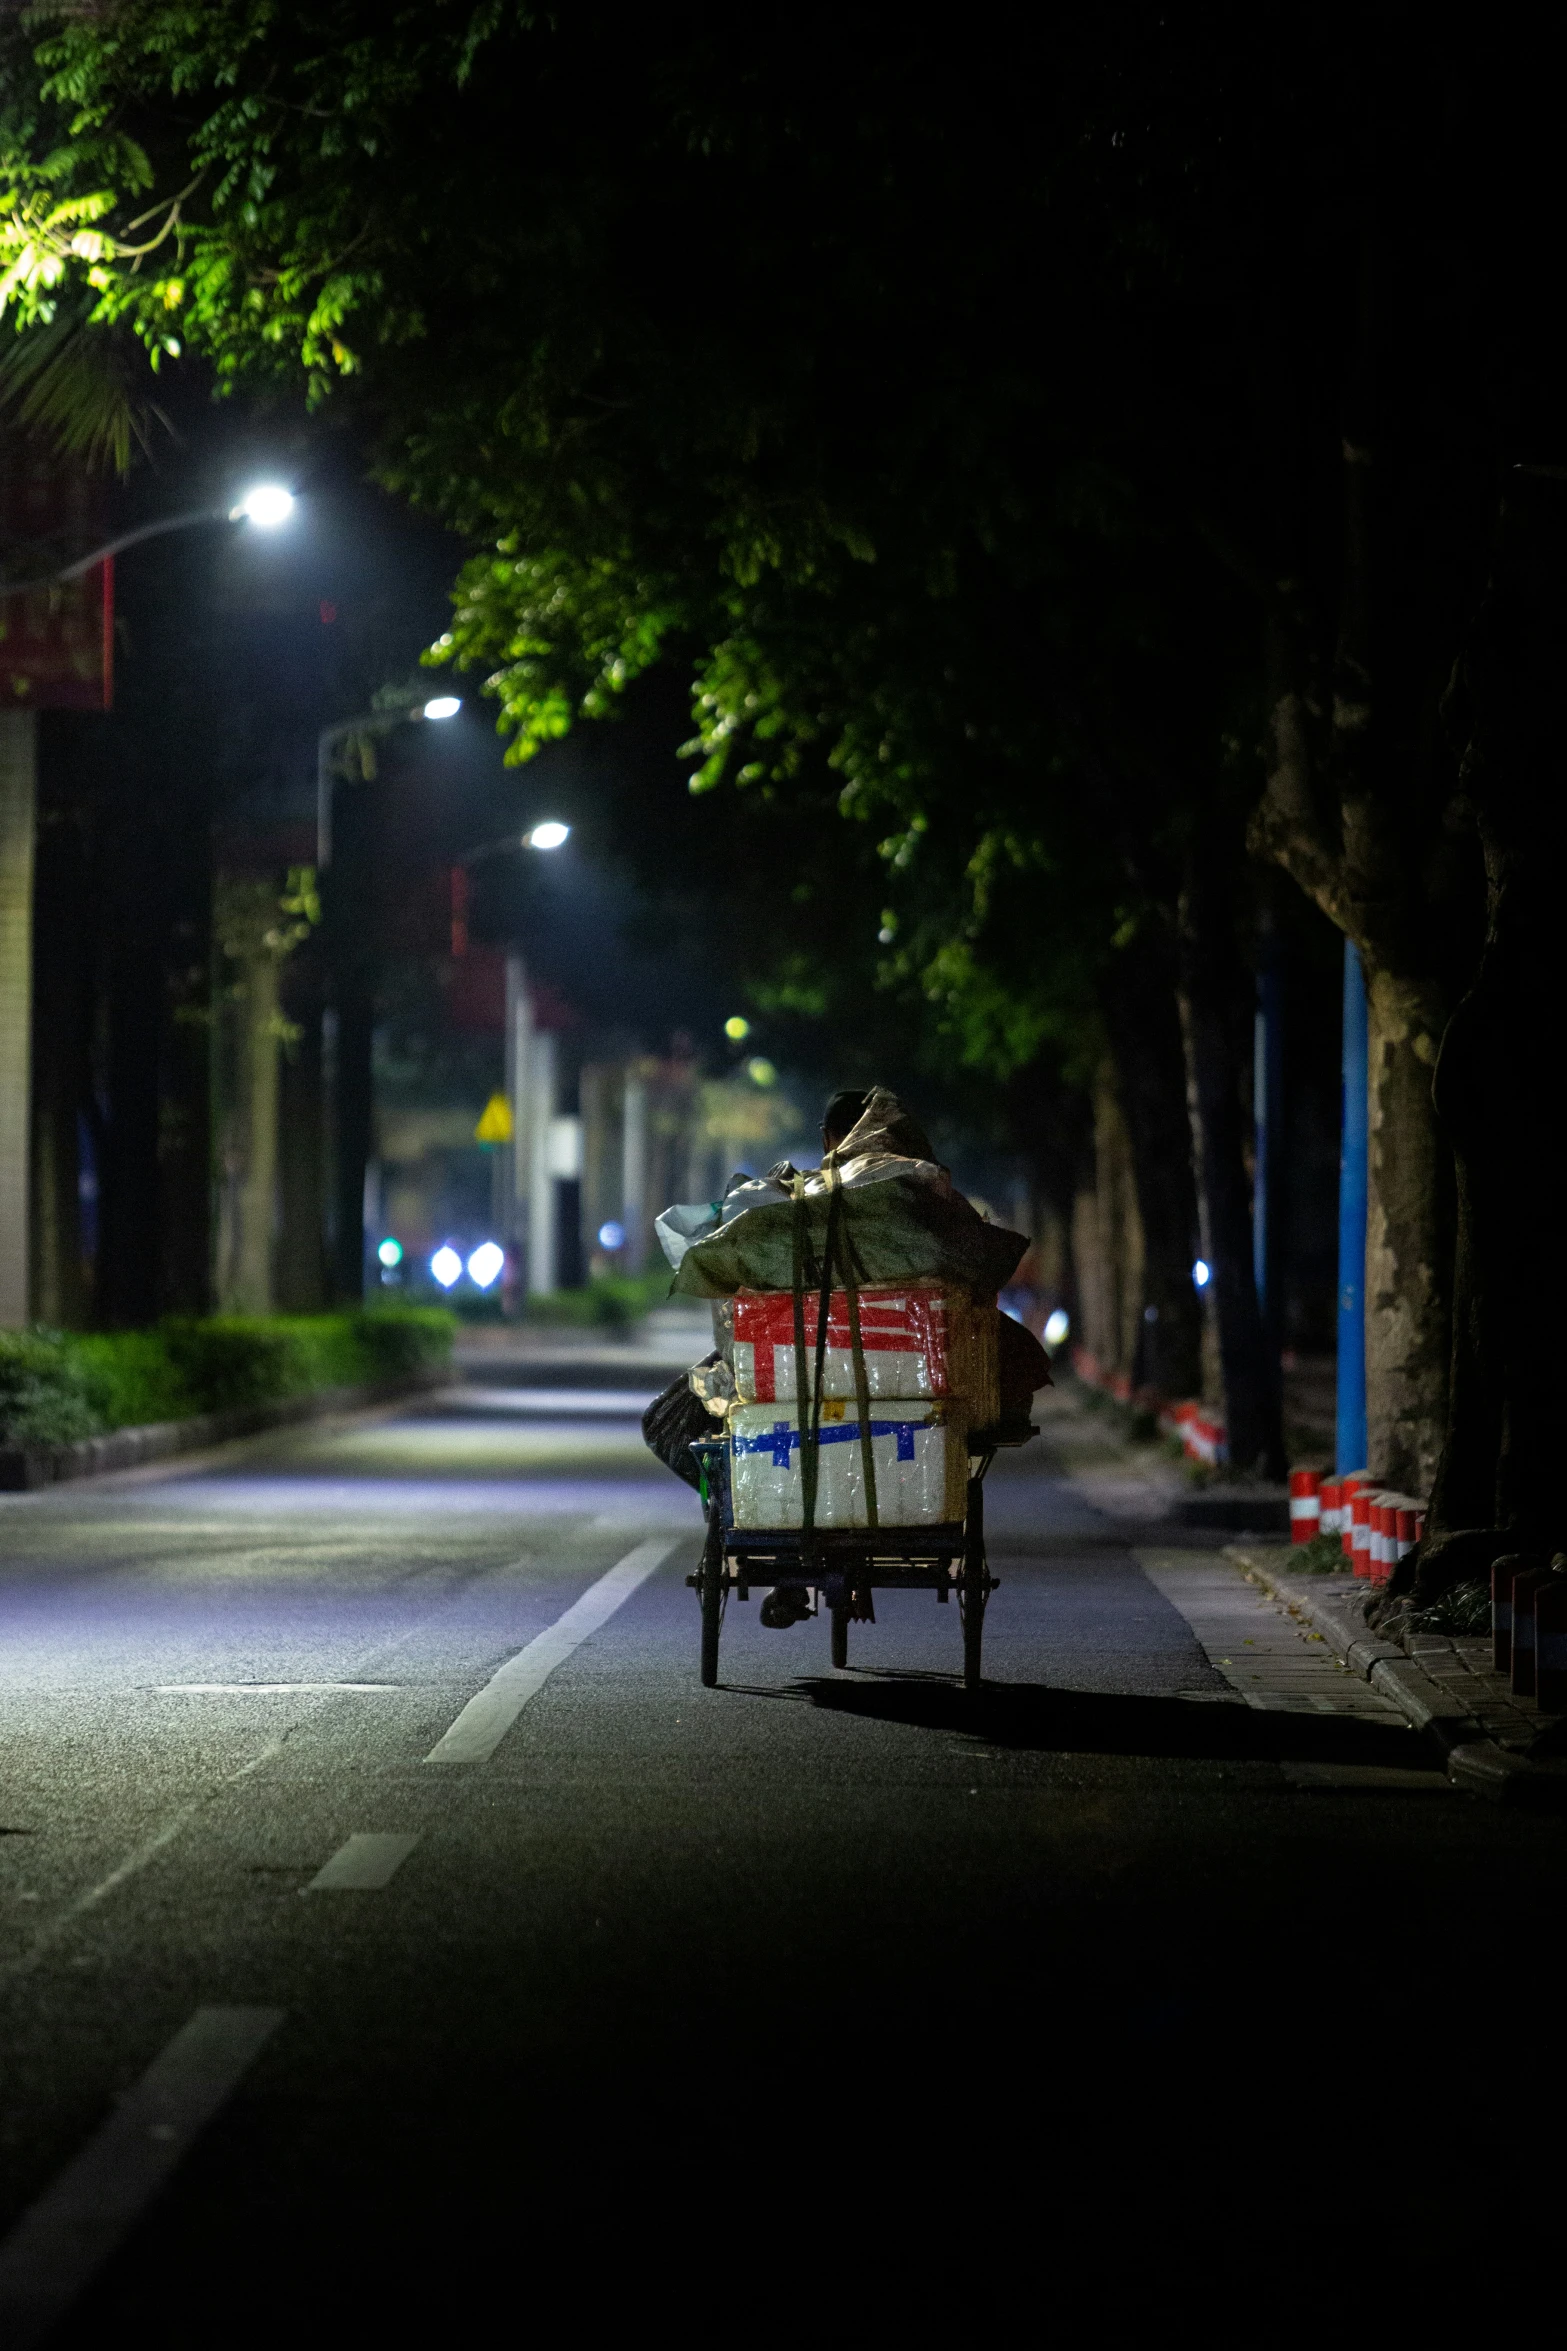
(495, 1125)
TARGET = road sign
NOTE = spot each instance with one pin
(495, 1126)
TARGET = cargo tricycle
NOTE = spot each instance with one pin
(840, 1566)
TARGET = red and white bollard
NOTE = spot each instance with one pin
(1348, 1486)
(1376, 1548)
(1331, 1491)
(1408, 1530)
(1360, 1531)
(1305, 1505)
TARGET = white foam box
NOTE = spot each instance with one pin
(920, 1452)
(917, 1342)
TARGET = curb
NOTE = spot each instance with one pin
(28, 1469)
(1473, 1760)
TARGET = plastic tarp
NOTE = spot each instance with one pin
(900, 1228)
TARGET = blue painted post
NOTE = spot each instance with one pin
(1350, 1450)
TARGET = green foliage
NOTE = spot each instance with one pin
(1461, 1612)
(883, 502)
(1323, 1555)
(232, 1360)
(611, 1302)
(395, 1342)
(45, 1397)
(132, 1379)
(54, 1388)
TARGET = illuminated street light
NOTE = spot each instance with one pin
(737, 1029)
(1056, 1327)
(446, 1265)
(486, 1263)
(266, 506)
(444, 706)
(612, 1235)
(548, 835)
(390, 1253)
(1202, 1273)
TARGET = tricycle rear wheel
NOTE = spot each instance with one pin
(711, 1589)
(974, 1586)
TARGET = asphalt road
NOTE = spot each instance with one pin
(815, 1967)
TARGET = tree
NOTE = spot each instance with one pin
(871, 401)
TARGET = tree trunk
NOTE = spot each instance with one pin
(1208, 994)
(127, 1284)
(1322, 820)
(1409, 1236)
(1120, 1229)
(1094, 1322)
(252, 1291)
(1498, 1487)
(62, 1026)
(185, 1281)
(1140, 1009)
(352, 1136)
(301, 1255)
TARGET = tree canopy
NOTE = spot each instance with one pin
(1044, 438)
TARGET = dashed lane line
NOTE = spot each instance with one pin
(490, 1713)
(363, 1865)
(59, 2244)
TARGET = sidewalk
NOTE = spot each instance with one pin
(1483, 1737)
(1447, 1688)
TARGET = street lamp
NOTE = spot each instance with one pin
(551, 834)
(374, 722)
(347, 1012)
(266, 505)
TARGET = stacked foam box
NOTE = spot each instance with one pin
(930, 1369)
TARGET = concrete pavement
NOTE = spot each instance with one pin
(653, 1937)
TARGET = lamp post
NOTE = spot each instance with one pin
(266, 505)
(530, 1087)
(346, 1021)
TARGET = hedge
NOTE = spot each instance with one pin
(55, 1386)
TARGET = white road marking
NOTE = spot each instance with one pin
(259, 1689)
(364, 1863)
(489, 1715)
(12, 1970)
(55, 1929)
(63, 2240)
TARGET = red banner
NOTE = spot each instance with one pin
(56, 644)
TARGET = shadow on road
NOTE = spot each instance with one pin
(1029, 1715)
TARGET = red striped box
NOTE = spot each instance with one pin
(920, 1344)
